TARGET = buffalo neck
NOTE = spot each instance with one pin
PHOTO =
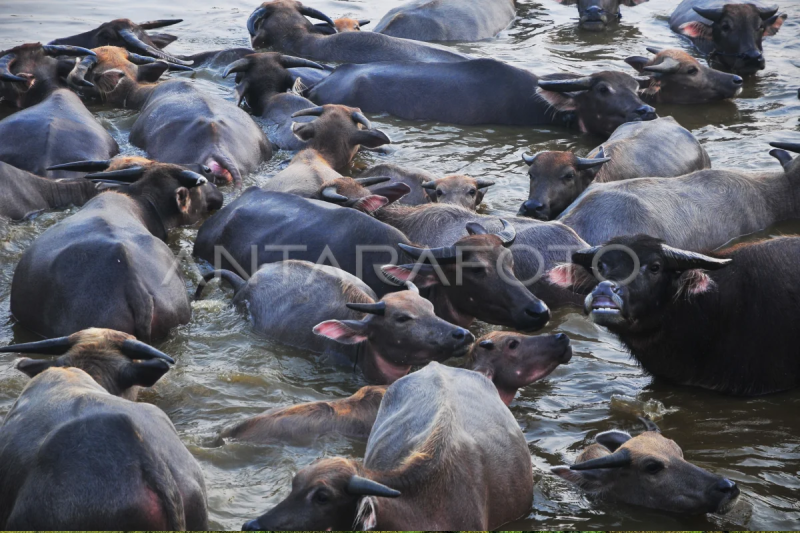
(66, 192)
(507, 394)
(138, 95)
(152, 216)
(781, 192)
(444, 308)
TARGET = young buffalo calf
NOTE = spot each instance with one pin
(75, 450)
(648, 470)
(510, 360)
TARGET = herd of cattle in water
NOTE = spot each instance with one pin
(633, 233)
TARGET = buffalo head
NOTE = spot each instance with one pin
(649, 470)
(458, 189)
(597, 15)
(116, 361)
(274, 20)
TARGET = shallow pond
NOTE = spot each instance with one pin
(225, 373)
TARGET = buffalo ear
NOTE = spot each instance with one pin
(149, 73)
(421, 275)
(694, 282)
(34, 367)
(560, 101)
(696, 30)
(371, 138)
(162, 39)
(370, 204)
(571, 276)
(182, 199)
(773, 24)
(304, 131)
(612, 439)
(145, 373)
(342, 331)
(108, 80)
(637, 62)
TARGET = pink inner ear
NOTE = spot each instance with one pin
(695, 30)
(372, 203)
(335, 330)
(773, 28)
(402, 273)
(557, 100)
(695, 282)
(569, 275)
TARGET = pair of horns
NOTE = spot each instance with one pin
(480, 183)
(255, 18)
(357, 116)
(8, 59)
(714, 14)
(782, 155)
(186, 178)
(449, 254)
(582, 163)
(619, 459)
(379, 308)
(132, 40)
(568, 85)
(675, 259)
(244, 64)
(668, 65)
(130, 348)
(155, 24)
(361, 486)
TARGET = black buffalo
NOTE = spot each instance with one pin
(23, 194)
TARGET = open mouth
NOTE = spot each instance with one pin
(604, 305)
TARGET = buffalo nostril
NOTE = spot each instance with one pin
(538, 311)
(460, 334)
(593, 9)
(725, 486)
(562, 337)
(737, 80)
(645, 110)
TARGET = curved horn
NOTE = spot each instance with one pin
(429, 185)
(649, 425)
(254, 19)
(58, 346)
(766, 12)
(586, 163)
(361, 486)
(359, 118)
(411, 287)
(653, 50)
(508, 234)
(374, 180)
(64, 50)
(126, 175)
(567, 86)
(298, 62)
(791, 147)
(529, 159)
(131, 39)
(617, 459)
(133, 349)
(482, 183)
(138, 59)
(684, 260)
(240, 65)
(316, 14)
(372, 309)
(5, 66)
(190, 179)
(585, 257)
(473, 228)
(83, 166)
(667, 66)
(363, 22)
(310, 112)
(329, 193)
(153, 24)
(783, 156)
(445, 254)
(712, 14)
(78, 74)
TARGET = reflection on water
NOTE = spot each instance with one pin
(225, 373)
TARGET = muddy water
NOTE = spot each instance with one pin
(225, 373)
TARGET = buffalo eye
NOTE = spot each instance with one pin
(725, 26)
(568, 176)
(653, 467)
(472, 192)
(692, 71)
(513, 344)
(603, 89)
(402, 319)
(322, 497)
(439, 192)
(655, 268)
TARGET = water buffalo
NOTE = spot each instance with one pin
(281, 25)
(413, 177)
(74, 449)
(127, 34)
(23, 194)
(692, 319)
(436, 428)
(474, 278)
(678, 78)
(458, 189)
(384, 338)
(29, 73)
(730, 33)
(597, 15)
(263, 227)
(448, 20)
(486, 91)
(700, 211)
(108, 265)
(538, 247)
(333, 140)
(657, 148)
(265, 83)
(178, 123)
(510, 360)
(648, 470)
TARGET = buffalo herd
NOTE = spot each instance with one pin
(382, 270)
